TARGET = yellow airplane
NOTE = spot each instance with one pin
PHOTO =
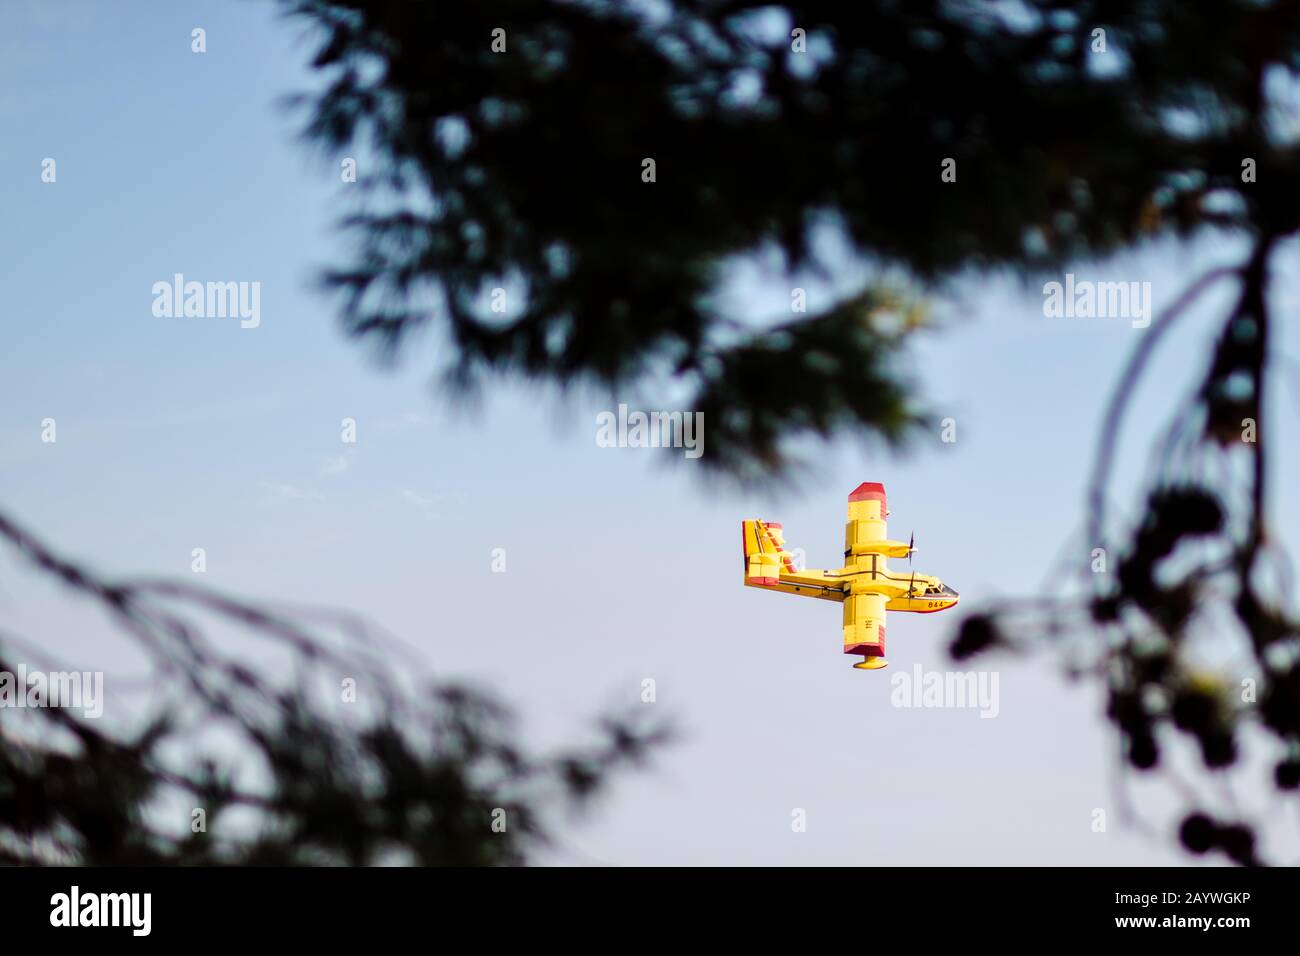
(865, 585)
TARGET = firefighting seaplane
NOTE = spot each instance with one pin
(866, 586)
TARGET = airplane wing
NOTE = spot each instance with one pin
(866, 547)
(864, 624)
(864, 532)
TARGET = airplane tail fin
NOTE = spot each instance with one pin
(765, 554)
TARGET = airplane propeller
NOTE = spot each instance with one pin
(911, 542)
(911, 587)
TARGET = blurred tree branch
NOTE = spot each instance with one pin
(427, 775)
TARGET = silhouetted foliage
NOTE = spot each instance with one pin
(431, 775)
(1078, 129)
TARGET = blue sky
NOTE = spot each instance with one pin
(181, 433)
